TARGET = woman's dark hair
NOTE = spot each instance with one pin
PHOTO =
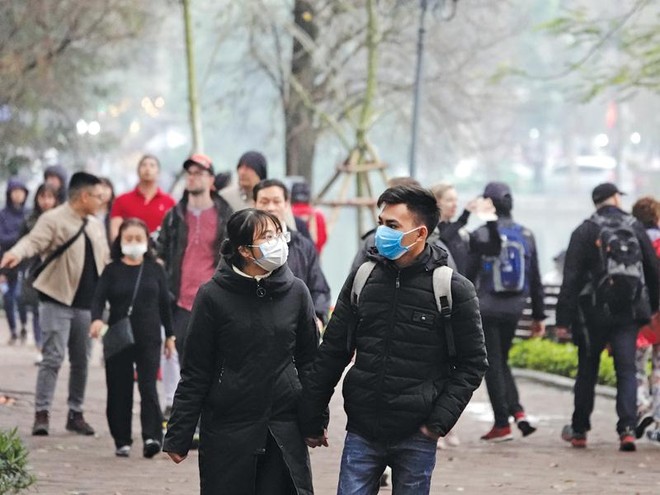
(647, 211)
(115, 249)
(421, 203)
(41, 190)
(241, 230)
(108, 183)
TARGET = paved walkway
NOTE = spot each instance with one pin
(65, 463)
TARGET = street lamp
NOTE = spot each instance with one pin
(447, 9)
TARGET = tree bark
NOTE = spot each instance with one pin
(301, 133)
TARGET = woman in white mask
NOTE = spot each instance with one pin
(252, 341)
(134, 279)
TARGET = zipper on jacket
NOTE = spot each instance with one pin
(388, 337)
(222, 372)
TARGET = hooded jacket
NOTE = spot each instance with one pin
(12, 217)
(59, 171)
(249, 343)
(403, 377)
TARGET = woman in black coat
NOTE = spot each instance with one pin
(252, 338)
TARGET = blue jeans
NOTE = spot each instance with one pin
(623, 341)
(412, 461)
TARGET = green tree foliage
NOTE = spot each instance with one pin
(615, 48)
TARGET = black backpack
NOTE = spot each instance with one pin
(619, 279)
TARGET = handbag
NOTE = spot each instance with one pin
(120, 334)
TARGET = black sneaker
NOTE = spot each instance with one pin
(76, 422)
(151, 448)
(643, 424)
(41, 424)
(523, 424)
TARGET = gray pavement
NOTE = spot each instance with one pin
(66, 463)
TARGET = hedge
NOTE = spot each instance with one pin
(14, 473)
(559, 359)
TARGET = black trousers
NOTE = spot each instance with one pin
(502, 390)
(622, 340)
(119, 377)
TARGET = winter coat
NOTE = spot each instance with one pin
(248, 345)
(508, 305)
(173, 239)
(304, 262)
(12, 217)
(582, 264)
(461, 243)
(59, 171)
(403, 377)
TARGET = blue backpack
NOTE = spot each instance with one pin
(507, 273)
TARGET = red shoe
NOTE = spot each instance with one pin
(577, 440)
(627, 440)
(498, 434)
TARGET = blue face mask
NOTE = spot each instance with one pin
(388, 242)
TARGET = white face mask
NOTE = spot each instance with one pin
(274, 254)
(134, 250)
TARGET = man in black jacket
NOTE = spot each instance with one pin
(594, 323)
(404, 391)
(502, 302)
(272, 195)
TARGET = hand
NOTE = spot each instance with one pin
(428, 433)
(95, 328)
(177, 458)
(538, 329)
(471, 206)
(319, 441)
(562, 333)
(170, 348)
(9, 260)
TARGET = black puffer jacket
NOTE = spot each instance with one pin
(240, 370)
(402, 377)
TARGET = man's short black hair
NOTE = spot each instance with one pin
(80, 181)
(270, 183)
(419, 201)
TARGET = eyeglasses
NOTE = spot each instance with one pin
(286, 236)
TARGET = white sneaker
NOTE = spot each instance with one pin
(123, 451)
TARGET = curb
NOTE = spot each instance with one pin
(561, 382)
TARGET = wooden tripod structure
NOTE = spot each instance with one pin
(357, 169)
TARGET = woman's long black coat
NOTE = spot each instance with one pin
(247, 345)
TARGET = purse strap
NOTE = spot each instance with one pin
(58, 252)
(135, 289)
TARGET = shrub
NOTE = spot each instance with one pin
(14, 474)
(555, 358)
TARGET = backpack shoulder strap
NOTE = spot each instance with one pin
(442, 293)
(360, 280)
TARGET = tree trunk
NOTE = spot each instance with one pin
(301, 134)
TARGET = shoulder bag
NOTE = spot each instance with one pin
(120, 334)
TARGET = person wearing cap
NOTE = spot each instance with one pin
(56, 176)
(251, 169)
(501, 309)
(190, 238)
(147, 201)
(594, 325)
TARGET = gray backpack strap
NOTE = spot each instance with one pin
(442, 292)
(360, 281)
